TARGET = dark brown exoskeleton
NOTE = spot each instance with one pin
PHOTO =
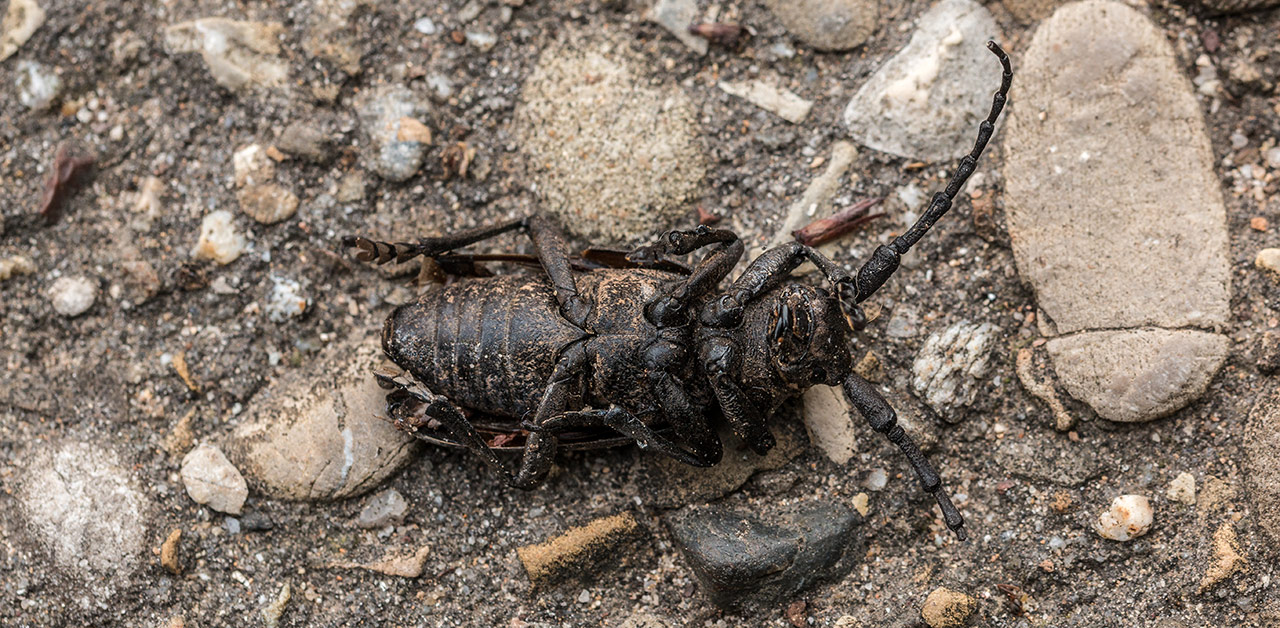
(642, 347)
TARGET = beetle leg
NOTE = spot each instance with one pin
(884, 261)
(670, 308)
(880, 415)
(720, 362)
(690, 423)
(549, 243)
(765, 272)
(629, 425)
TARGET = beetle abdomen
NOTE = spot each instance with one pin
(489, 344)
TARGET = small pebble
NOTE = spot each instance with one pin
(584, 597)
(1273, 157)
(211, 479)
(272, 612)
(1182, 489)
(73, 296)
(38, 85)
(1258, 223)
(14, 266)
(20, 21)
(876, 480)
(219, 240)
(425, 26)
(861, 503)
(945, 608)
(1269, 260)
(482, 41)
(384, 509)
(1128, 518)
(286, 300)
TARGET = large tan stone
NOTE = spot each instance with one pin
(319, 431)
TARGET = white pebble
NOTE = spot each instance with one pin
(219, 240)
(876, 480)
(1269, 260)
(1129, 518)
(425, 26)
(1273, 157)
(286, 300)
(37, 85)
(73, 296)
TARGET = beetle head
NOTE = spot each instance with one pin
(808, 335)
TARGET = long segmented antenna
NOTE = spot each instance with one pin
(884, 261)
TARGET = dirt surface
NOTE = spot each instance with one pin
(107, 377)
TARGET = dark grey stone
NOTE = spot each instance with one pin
(768, 556)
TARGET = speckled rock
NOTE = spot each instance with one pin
(615, 156)
(219, 239)
(766, 556)
(383, 114)
(240, 55)
(951, 365)
(212, 480)
(925, 103)
(579, 551)
(1100, 91)
(83, 505)
(828, 24)
(945, 608)
(1262, 463)
(38, 85)
(384, 509)
(316, 433)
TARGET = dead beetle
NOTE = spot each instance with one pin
(638, 345)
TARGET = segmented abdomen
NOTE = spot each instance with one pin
(489, 344)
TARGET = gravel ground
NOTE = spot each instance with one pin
(152, 346)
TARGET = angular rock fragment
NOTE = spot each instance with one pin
(925, 103)
(945, 608)
(212, 480)
(739, 555)
(1115, 213)
(395, 157)
(950, 367)
(240, 55)
(20, 22)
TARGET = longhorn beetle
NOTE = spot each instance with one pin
(644, 347)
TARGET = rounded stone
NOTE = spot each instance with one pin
(945, 608)
(615, 157)
(318, 432)
(1137, 375)
(73, 296)
(1129, 517)
(828, 24)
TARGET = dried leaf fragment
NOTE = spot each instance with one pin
(68, 166)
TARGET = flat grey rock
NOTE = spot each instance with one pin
(1137, 374)
(828, 24)
(1115, 214)
(951, 366)
(925, 103)
(318, 433)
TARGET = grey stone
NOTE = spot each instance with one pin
(925, 103)
(85, 507)
(828, 24)
(615, 157)
(384, 509)
(1103, 127)
(1137, 374)
(950, 367)
(738, 555)
(388, 154)
(1262, 463)
(316, 433)
(212, 480)
(308, 140)
(677, 16)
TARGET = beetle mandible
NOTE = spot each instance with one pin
(644, 347)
